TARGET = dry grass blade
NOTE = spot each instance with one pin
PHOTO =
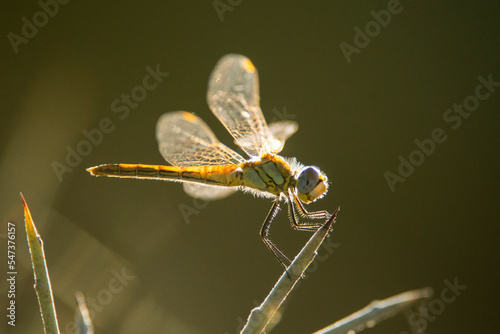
(262, 315)
(42, 281)
(377, 311)
(82, 318)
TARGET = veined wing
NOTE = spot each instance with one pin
(233, 96)
(281, 131)
(185, 140)
(207, 192)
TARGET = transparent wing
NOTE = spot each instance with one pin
(233, 96)
(280, 131)
(185, 140)
(208, 192)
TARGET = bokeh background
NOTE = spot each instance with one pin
(146, 268)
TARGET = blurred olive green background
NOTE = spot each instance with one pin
(204, 274)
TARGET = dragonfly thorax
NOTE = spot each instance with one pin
(270, 174)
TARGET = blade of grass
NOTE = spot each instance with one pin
(42, 281)
(377, 311)
(262, 315)
(82, 318)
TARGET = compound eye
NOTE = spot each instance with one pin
(308, 180)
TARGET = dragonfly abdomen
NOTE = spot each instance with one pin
(214, 175)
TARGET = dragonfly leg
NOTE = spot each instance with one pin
(293, 205)
(323, 214)
(264, 234)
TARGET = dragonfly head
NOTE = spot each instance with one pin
(312, 184)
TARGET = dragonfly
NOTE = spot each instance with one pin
(210, 170)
